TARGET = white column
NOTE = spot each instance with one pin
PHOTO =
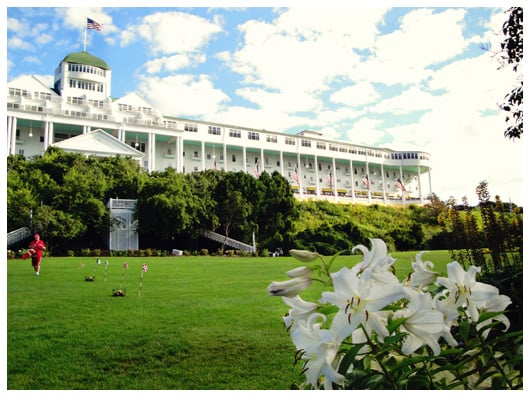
(46, 133)
(334, 177)
(281, 164)
(244, 159)
(369, 181)
(121, 133)
(178, 154)
(402, 181)
(317, 177)
(383, 182)
(225, 160)
(11, 134)
(430, 184)
(352, 182)
(151, 152)
(419, 185)
(203, 156)
(262, 161)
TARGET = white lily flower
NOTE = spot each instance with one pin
(497, 304)
(376, 257)
(464, 290)
(289, 288)
(422, 275)
(424, 325)
(357, 298)
(378, 262)
(300, 310)
(319, 348)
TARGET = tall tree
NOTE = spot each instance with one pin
(512, 54)
(276, 211)
(165, 207)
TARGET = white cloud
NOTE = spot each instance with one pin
(284, 101)
(173, 63)
(172, 32)
(19, 44)
(402, 56)
(356, 95)
(304, 49)
(76, 18)
(194, 96)
(411, 100)
(419, 41)
(366, 131)
(21, 28)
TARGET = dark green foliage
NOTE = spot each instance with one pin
(496, 246)
(512, 54)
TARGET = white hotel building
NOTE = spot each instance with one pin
(79, 115)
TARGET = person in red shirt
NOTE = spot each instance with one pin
(35, 250)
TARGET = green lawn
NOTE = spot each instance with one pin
(200, 323)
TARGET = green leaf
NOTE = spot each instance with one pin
(464, 330)
(395, 323)
(349, 358)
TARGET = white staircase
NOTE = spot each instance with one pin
(18, 235)
(230, 242)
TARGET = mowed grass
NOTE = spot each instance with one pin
(200, 323)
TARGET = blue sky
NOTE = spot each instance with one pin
(404, 78)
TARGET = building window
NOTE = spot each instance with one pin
(75, 100)
(234, 133)
(122, 107)
(333, 148)
(253, 136)
(233, 158)
(195, 154)
(306, 143)
(18, 92)
(272, 138)
(191, 127)
(290, 141)
(42, 95)
(321, 145)
(214, 130)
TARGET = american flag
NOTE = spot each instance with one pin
(91, 24)
(366, 181)
(400, 185)
(296, 176)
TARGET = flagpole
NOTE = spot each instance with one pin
(84, 42)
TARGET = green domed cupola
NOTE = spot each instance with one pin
(81, 74)
(84, 58)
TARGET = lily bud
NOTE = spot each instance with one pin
(289, 288)
(302, 271)
(304, 255)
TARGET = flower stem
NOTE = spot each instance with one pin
(494, 359)
(376, 356)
